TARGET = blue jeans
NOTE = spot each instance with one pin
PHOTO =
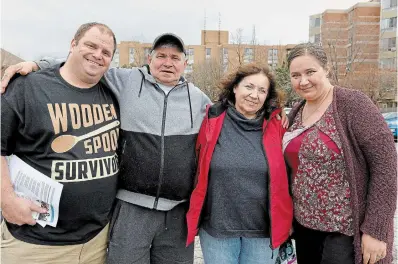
(236, 250)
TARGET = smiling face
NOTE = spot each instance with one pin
(167, 65)
(250, 94)
(91, 55)
(308, 77)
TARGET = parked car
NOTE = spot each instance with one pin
(392, 122)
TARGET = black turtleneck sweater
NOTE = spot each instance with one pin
(236, 203)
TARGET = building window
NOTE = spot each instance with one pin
(131, 55)
(147, 51)
(189, 68)
(190, 55)
(317, 38)
(225, 54)
(115, 59)
(389, 23)
(388, 63)
(208, 53)
(248, 55)
(225, 59)
(272, 57)
(315, 22)
(272, 53)
(190, 52)
(389, 3)
(389, 44)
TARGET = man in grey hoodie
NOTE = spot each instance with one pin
(160, 114)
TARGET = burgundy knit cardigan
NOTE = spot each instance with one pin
(371, 164)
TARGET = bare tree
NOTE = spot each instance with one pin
(206, 75)
(369, 80)
(352, 54)
(237, 41)
(255, 45)
(137, 55)
(140, 57)
(387, 85)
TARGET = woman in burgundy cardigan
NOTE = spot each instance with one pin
(343, 167)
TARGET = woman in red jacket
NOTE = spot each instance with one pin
(241, 201)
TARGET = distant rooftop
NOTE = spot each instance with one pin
(8, 59)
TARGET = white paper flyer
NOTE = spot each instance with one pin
(31, 184)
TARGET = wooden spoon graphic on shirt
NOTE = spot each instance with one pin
(64, 143)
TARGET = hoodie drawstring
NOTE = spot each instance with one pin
(142, 81)
(189, 96)
(165, 221)
(190, 105)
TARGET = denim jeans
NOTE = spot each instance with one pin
(236, 250)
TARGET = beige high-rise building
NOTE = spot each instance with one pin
(215, 48)
(358, 47)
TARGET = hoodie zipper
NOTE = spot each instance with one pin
(161, 170)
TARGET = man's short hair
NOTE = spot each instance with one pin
(169, 39)
(102, 27)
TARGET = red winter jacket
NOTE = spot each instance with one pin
(281, 207)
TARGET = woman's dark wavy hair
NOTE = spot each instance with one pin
(274, 97)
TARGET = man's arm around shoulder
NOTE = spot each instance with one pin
(22, 68)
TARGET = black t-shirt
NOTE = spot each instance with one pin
(36, 111)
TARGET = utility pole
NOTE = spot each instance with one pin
(254, 42)
(219, 28)
(204, 29)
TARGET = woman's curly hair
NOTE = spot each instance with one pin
(274, 97)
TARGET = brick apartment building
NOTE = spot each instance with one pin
(215, 47)
(361, 45)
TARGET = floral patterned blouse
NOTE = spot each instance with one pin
(321, 193)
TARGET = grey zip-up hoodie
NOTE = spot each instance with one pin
(157, 136)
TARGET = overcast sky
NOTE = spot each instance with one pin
(33, 29)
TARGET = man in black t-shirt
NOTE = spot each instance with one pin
(64, 123)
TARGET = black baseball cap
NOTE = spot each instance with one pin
(169, 38)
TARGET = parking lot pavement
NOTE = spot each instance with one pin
(198, 259)
(199, 256)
